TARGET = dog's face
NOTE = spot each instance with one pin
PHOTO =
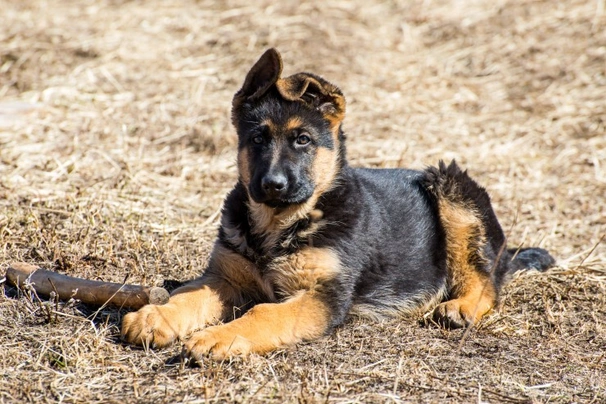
(288, 133)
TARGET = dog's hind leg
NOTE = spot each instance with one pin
(473, 239)
(472, 289)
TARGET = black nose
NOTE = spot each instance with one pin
(274, 184)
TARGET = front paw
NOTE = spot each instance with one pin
(152, 325)
(219, 342)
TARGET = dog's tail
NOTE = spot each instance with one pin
(529, 258)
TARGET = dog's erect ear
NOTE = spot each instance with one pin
(261, 76)
(316, 92)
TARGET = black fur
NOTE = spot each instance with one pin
(383, 223)
(529, 258)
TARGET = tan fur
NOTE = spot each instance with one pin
(293, 123)
(290, 88)
(470, 308)
(238, 272)
(304, 270)
(244, 167)
(232, 279)
(161, 325)
(264, 328)
(325, 170)
(229, 276)
(473, 291)
(269, 326)
(271, 126)
(336, 114)
(197, 304)
(294, 87)
(271, 221)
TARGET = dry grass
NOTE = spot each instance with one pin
(116, 151)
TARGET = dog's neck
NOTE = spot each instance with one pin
(270, 223)
(271, 232)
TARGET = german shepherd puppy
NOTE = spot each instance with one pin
(305, 239)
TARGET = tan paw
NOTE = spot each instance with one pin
(152, 325)
(455, 314)
(219, 342)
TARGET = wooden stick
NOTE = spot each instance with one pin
(95, 293)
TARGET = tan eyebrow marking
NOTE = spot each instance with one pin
(293, 123)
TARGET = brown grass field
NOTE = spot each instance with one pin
(116, 151)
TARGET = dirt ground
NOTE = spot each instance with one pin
(116, 151)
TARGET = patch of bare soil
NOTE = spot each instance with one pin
(116, 151)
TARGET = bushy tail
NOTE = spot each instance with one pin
(530, 258)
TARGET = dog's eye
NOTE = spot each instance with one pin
(303, 139)
(257, 139)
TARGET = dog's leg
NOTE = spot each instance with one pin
(190, 307)
(264, 328)
(472, 289)
(195, 305)
(472, 236)
(475, 297)
(307, 277)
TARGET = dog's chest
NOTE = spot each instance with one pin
(264, 249)
(286, 260)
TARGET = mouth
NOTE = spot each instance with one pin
(281, 202)
(276, 204)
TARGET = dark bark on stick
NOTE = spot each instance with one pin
(96, 293)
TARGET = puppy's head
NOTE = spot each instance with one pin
(288, 133)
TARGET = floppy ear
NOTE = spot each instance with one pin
(316, 92)
(261, 76)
